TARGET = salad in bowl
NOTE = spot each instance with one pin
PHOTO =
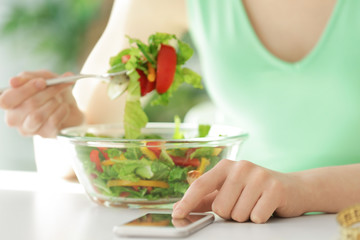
(156, 168)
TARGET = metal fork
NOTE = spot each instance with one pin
(116, 78)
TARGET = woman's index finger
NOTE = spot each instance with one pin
(15, 96)
(25, 77)
(207, 183)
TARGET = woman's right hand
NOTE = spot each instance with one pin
(36, 109)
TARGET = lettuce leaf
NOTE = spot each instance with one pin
(203, 130)
(166, 159)
(177, 133)
(161, 170)
(185, 52)
(178, 174)
(135, 118)
(202, 152)
(133, 153)
(182, 75)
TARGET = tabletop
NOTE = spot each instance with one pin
(35, 207)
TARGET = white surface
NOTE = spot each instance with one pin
(35, 208)
(51, 159)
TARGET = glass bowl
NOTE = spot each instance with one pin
(155, 169)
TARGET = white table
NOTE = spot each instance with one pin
(37, 208)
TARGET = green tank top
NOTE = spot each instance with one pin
(299, 115)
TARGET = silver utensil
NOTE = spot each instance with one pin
(116, 79)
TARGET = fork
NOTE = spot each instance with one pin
(117, 78)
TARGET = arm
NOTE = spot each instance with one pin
(341, 184)
(138, 19)
(242, 191)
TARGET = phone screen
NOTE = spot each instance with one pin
(163, 220)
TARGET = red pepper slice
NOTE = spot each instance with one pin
(165, 69)
(145, 85)
(143, 82)
(149, 189)
(104, 153)
(189, 152)
(124, 194)
(152, 146)
(94, 157)
(149, 86)
(185, 162)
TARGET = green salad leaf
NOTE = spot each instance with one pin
(202, 152)
(166, 159)
(177, 173)
(203, 130)
(134, 119)
(182, 75)
(161, 170)
(177, 133)
(133, 153)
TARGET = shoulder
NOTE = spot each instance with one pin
(140, 18)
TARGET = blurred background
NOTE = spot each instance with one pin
(58, 35)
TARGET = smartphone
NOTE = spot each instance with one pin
(163, 225)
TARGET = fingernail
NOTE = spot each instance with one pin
(30, 126)
(40, 84)
(67, 74)
(15, 81)
(175, 205)
(177, 213)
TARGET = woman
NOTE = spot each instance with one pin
(278, 68)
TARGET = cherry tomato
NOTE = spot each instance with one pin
(125, 58)
(166, 66)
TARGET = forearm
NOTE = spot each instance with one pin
(329, 189)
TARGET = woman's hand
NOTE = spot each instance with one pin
(242, 191)
(35, 109)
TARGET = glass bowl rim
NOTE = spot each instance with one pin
(240, 136)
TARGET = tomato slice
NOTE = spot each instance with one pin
(166, 66)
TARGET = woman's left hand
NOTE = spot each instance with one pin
(241, 190)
